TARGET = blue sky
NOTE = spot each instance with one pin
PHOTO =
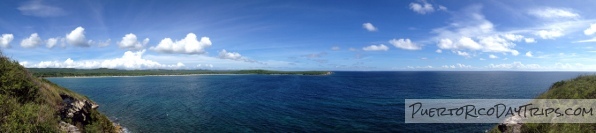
(301, 35)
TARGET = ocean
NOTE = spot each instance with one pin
(341, 102)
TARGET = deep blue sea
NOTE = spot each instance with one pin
(341, 102)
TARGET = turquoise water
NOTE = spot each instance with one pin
(342, 102)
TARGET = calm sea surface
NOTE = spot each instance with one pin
(341, 102)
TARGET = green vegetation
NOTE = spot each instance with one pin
(582, 87)
(31, 104)
(68, 72)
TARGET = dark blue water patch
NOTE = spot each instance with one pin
(342, 102)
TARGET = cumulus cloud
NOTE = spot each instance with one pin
(514, 53)
(591, 30)
(464, 54)
(369, 27)
(530, 40)
(549, 34)
(5, 40)
(513, 37)
(379, 47)
(468, 43)
(422, 8)
(472, 32)
(188, 45)
(553, 13)
(404, 44)
(129, 41)
(439, 51)
(529, 54)
(77, 37)
(39, 9)
(492, 56)
(32, 41)
(130, 60)
(223, 54)
(50, 43)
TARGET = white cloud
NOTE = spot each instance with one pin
(446, 66)
(589, 40)
(369, 27)
(50, 43)
(32, 41)
(446, 44)
(514, 53)
(472, 32)
(105, 43)
(464, 54)
(379, 47)
(5, 40)
(223, 54)
(591, 30)
(37, 8)
(458, 65)
(553, 13)
(439, 51)
(77, 37)
(513, 37)
(468, 43)
(442, 8)
(530, 40)
(335, 48)
(529, 54)
(514, 65)
(130, 60)
(493, 56)
(205, 66)
(404, 44)
(188, 45)
(482, 59)
(422, 8)
(129, 41)
(549, 34)
(463, 65)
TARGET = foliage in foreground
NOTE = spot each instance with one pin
(30, 104)
(582, 87)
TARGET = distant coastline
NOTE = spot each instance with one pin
(104, 72)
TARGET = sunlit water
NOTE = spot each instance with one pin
(341, 102)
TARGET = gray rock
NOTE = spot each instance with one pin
(68, 128)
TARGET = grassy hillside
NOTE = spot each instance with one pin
(582, 87)
(31, 104)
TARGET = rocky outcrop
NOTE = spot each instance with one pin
(511, 124)
(77, 110)
(68, 128)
